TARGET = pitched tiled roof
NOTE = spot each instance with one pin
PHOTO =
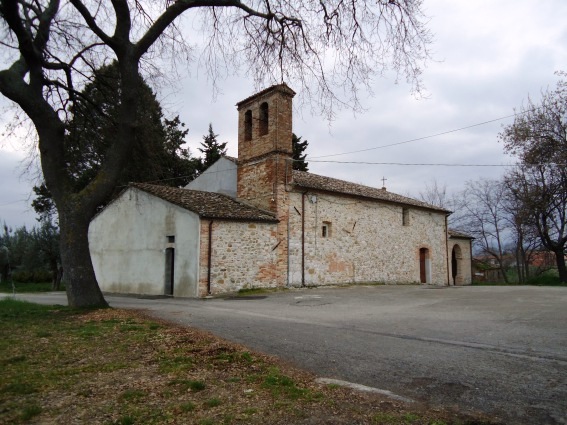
(456, 234)
(283, 87)
(207, 204)
(328, 184)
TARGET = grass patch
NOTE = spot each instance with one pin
(125, 420)
(282, 385)
(22, 288)
(18, 388)
(175, 364)
(117, 367)
(132, 395)
(187, 384)
(546, 278)
(187, 407)
(213, 402)
(30, 411)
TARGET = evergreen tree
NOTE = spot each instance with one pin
(299, 148)
(158, 154)
(211, 149)
(31, 256)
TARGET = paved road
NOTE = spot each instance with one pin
(499, 350)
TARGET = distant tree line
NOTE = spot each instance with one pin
(31, 255)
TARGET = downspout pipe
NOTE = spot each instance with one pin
(447, 249)
(209, 257)
(303, 238)
(470, 250)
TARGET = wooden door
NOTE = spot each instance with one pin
(422, 270)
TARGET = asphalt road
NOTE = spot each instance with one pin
(499, 350)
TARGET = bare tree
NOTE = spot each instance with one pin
(52, 48)
(484, 216)
(435, 194)
(524, 235)
(538, 137)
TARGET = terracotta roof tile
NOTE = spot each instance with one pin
(456, 234)
(283, 87)
(207, 204)
(314, 181)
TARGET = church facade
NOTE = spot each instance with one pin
(253, 221)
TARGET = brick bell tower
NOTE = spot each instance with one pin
(265, 147)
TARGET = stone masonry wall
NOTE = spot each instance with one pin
(366, 241)
(243, 256)
(462, 249)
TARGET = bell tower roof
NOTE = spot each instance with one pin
(282, 88)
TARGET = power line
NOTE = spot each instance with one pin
(424, 137)
(13, 202)
(436, 164)
(419, 164)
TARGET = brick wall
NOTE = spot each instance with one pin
(263, 161)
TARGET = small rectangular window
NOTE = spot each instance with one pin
(171, 239)
(405, 216)
(326, 229)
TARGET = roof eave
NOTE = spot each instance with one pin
(371, 198)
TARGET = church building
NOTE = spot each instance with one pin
(254, 222)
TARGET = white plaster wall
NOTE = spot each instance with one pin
(243, 256)
(128, 240)
(219, 177)
(367, 243)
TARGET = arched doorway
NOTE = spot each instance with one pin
(456, 265)
(424, 266)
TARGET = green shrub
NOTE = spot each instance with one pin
(33, 276)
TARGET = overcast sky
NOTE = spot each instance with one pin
(488, 57)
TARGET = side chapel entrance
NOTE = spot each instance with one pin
(456, 265)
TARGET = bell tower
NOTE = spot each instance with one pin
(265, 146)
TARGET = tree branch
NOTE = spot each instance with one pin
(90, 21)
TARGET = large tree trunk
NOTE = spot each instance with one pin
(80, 281)
(560, 259)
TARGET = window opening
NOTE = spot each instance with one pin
(326, 229)
(264, 118)
(248, 125)
(171, 239)
(405, 216)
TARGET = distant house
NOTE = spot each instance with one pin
(255, 222)
(486, 271)
(543, 259)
